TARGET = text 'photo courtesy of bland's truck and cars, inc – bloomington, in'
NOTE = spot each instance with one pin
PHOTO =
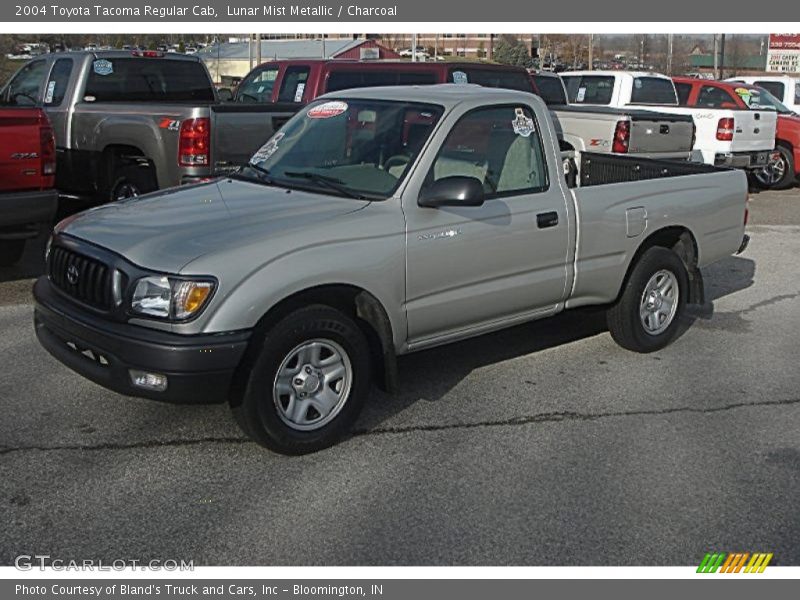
(561, 266)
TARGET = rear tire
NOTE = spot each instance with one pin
(130, 179)
(11, 251)
(779, 174)
(308, 382)
(646, 316)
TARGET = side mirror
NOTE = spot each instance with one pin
(225, 94)
(456, 190)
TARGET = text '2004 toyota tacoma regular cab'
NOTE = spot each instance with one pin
(375, 223)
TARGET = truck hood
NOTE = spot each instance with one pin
(166, 230)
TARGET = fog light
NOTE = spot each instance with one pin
(149, 381)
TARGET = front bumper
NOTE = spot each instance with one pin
(199, 368)
(21, 213)
(743, 160)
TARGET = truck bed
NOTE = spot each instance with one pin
(598, 168)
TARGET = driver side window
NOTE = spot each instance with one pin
(25, 89)
(500, 147)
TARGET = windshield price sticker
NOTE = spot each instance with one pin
(522, 125)
(326, 110)
(460, 77)
(103, 67)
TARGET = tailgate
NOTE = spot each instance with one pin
(239, 130)
(754, 130)
(20, 147)
(653, 135)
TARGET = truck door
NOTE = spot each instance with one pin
(470, 266)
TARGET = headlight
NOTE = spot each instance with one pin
(173, 299)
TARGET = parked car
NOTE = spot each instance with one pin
(618, 130)
(127, 123)
(784, 165)
(27, 172)
(784, 87)
(376, 222)
(723, 137)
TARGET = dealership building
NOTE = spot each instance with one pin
(229, 62)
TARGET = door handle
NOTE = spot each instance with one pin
(547, 219)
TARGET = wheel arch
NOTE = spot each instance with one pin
(116, 154)
(357, 303)
(683, 242)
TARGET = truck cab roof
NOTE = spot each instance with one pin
(447, 95)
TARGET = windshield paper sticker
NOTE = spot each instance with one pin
(298, 92)
(267, 149)
(48, 95)
(326, 110)
(750, 97)
(581, 94)
(103, 67)
(522, 125)
(460, 77)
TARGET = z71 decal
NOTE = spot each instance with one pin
(170, 124)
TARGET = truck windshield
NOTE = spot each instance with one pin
(589, 89)
(137, 79)
(758, 99)
(359, 148)
(258, 86)
(653, 90)
(550, 89)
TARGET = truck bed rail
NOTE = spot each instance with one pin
(598, 169)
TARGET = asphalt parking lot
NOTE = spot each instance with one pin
(544, 444)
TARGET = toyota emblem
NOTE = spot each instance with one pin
(73, 274)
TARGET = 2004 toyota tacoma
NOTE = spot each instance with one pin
(375, 223)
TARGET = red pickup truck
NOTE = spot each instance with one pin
(783, 169)
(27, 175)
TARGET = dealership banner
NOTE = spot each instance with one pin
(463, 11)
(783, 54)
(729, 587)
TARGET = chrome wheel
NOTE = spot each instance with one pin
(774, 171)
(312, 384)
(659, 302)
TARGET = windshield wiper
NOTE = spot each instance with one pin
(333, 183)
(265, 174)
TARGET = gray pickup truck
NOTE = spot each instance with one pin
(375, 223)
(130, 122)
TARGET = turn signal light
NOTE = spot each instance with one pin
(194, 143)
(622, 137)
(725, 129)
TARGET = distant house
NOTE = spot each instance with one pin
(229, 62)
(734, 65)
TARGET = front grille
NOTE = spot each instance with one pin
(85, 279)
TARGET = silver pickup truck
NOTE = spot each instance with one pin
(375, 223)
(131, 122)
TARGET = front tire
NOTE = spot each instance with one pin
(646, 316)
(307, 384)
